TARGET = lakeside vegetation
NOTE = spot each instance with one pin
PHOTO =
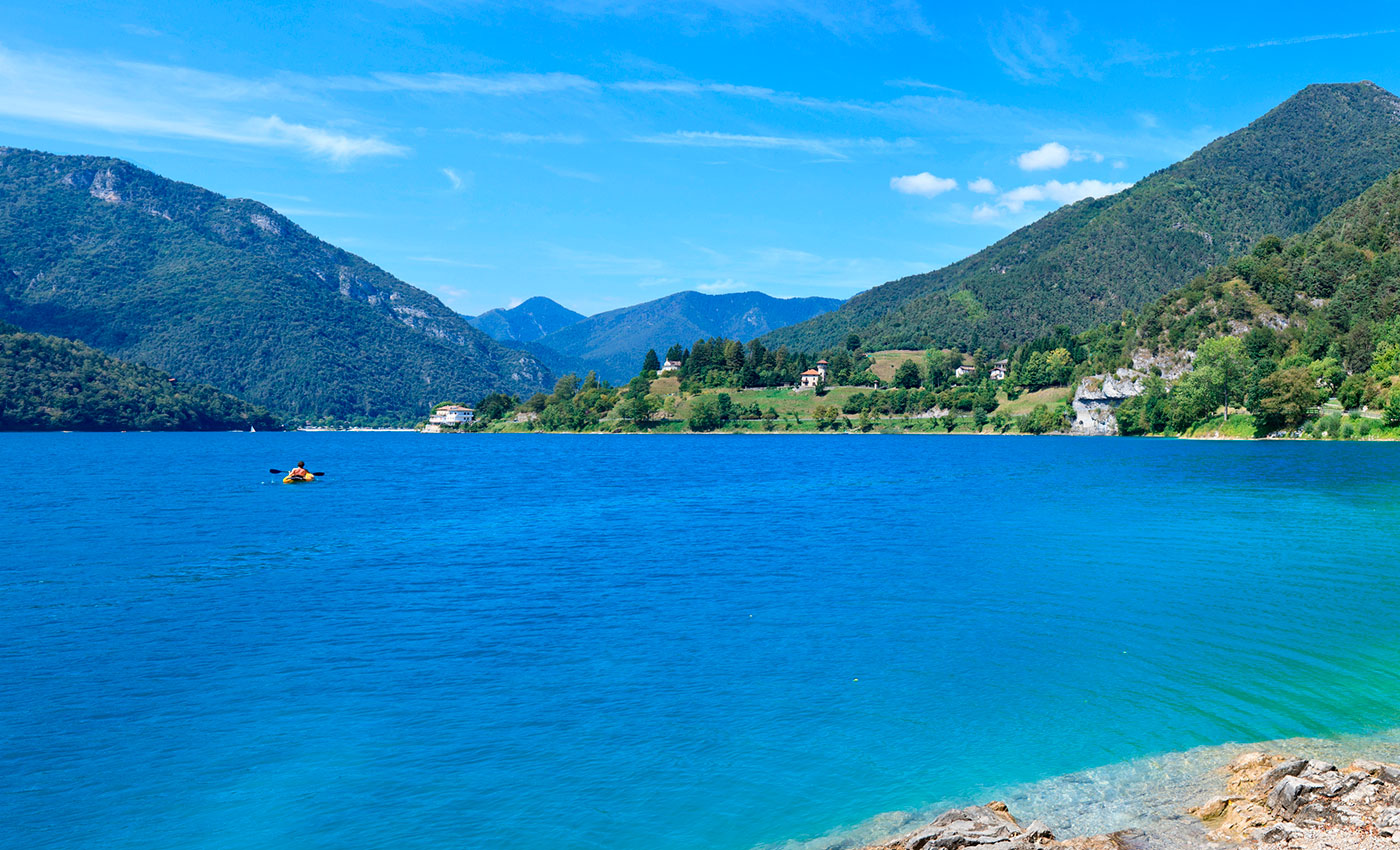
(53, 384)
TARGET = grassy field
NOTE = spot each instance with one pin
(1023, 405)
(785, 401)
(884, 363)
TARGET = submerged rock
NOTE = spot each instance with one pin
(1270, 800)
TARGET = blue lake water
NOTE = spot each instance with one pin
(656, 642)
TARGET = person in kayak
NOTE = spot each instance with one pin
(300, 471)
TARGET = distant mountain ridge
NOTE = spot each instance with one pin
(230, 292)
(614, 343)
(527, 321)
(1088, 262)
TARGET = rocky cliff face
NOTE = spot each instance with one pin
(1097, 396)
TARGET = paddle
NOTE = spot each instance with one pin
(283, 472)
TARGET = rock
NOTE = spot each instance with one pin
(1293, 767)
(1290, 794)
(1097, 396)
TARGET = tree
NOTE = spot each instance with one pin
(1224, 365)
(1392, 408)
(852, 342)
(704, 414)
(1287, 396)
(907, 375)
(825, 415)
(638, 405)
(1352, 391)
(565, 387)
(495, 406)
(651, 363)
(675, 353)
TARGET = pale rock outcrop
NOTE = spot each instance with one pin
(1098, 396)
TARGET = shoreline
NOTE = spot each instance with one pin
(1203, 797)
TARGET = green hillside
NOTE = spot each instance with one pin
(1090, 261)
(230, 292)
(614, 343)
(50, 384)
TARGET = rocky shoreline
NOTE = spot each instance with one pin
(1263, 800)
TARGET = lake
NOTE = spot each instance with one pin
(665, 642)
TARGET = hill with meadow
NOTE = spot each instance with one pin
(230, 292)
(1090, 261)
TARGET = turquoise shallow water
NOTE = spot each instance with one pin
(666, 642)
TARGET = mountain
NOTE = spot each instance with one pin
(1275, 331)
(1090, 261)
(229, 292)
(526, 322)
(50, 384)
(614, 343)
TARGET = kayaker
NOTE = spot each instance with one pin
(300, 471)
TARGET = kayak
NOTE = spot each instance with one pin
(290, 480)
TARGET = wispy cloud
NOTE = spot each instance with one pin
(443, 261)
(842, 19)
(155, 101)
(830, 148)
(982, 186)
(513, 138)
(1033, 47)
(925, 185)
(920, 84)
(496, 85)
(695, 88)
(1052, 155)
(454, 178)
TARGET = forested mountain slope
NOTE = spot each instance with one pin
(229, 292)
(615, 342)
(1090, 261)
(527, 321)
(48, 384)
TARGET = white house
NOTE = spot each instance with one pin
(999, 370)
(965, 369)
(452, 414)
(809, 379)
(670, 366)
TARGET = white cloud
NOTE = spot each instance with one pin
(923, 184)
(1052, 155)
(727, 285)
(164, 102)
(1047, 156)
(983, 186)
(453, 178)
(1015, 200)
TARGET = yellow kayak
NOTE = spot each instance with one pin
(290, 480)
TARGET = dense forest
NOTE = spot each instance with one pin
(229, 292)
(51, 384)
(1089, 262)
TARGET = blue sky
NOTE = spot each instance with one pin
(605, 153)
